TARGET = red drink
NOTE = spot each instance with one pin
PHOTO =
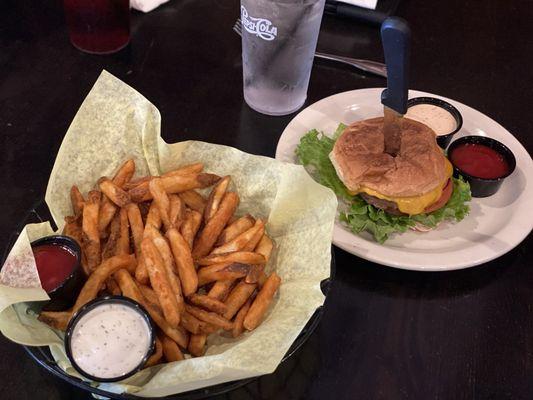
(98, 26)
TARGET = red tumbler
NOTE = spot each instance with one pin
(98, 26)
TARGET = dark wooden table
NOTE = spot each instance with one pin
(385, 333)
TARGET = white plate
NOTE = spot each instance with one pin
(494, 226)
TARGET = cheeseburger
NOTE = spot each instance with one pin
(415, 181)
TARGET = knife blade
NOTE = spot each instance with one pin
(396, 40)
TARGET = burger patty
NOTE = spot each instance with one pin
(388, 206)
(392, 208)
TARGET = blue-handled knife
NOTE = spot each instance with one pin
(396, 39)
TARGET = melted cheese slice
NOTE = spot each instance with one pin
(415, 204)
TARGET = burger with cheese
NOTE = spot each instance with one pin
(386, 194)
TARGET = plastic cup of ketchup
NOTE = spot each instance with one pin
(58, 259)
(483, 162)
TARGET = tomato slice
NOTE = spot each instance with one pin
(444, 197)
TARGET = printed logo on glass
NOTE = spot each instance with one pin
(260, 27)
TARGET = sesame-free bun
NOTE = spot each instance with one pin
(359, 159)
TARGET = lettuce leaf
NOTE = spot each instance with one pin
(361, 216)
(313, 153)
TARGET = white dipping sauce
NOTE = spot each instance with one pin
(437, 118)
(110, 340)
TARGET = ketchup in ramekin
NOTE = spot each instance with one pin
(483, 162)
(54, 264)
(57, 259)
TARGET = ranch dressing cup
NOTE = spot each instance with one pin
(278, 44)
(109, 339)
(439, 115)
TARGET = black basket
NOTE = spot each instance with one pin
(43, 357)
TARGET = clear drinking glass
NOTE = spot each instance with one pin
(98, 26)
(278, 45)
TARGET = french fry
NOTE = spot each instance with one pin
(254, 274)
(124, 173)
(110, 245)
(155, 358)
(136, 226)
(161, 200)
(264, 247)
(77, 200)
(141, 273)
(171, 349)
(193, 200)
(174, 184)
(207, 303)
(137, 232)
(189, 227)
(262, 301)
(236, 299)
(151, 229)
(159, 281)
(262, 279)
(238, 322)
(243, 257)
(235, 228)
(114, 192)
(144, 208)
(123, 241)
(56, 319)
(130, 289)
(255, 239)
(221, 289)
(209, 317)
(186, 170)
(105, 216)
(112, 286)
(97, 278)
(208, 329)
(73, 229)
(184, 262)
(197, 345)
(177, 211)
(168, 262)
(149, 294)
(154, 217)
(107, 207)
(242, 240)
(215, 197)
(179, 183)
(215, 225)
(191, 323)
(133, 183)
(91, 236)
(222, 271)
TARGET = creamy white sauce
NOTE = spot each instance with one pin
(437, 118)
(110, 340)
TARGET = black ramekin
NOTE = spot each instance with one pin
(92, 305)
(63, 297)
(482, 187)
(442, 140)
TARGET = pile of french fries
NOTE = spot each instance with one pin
(195, 267)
